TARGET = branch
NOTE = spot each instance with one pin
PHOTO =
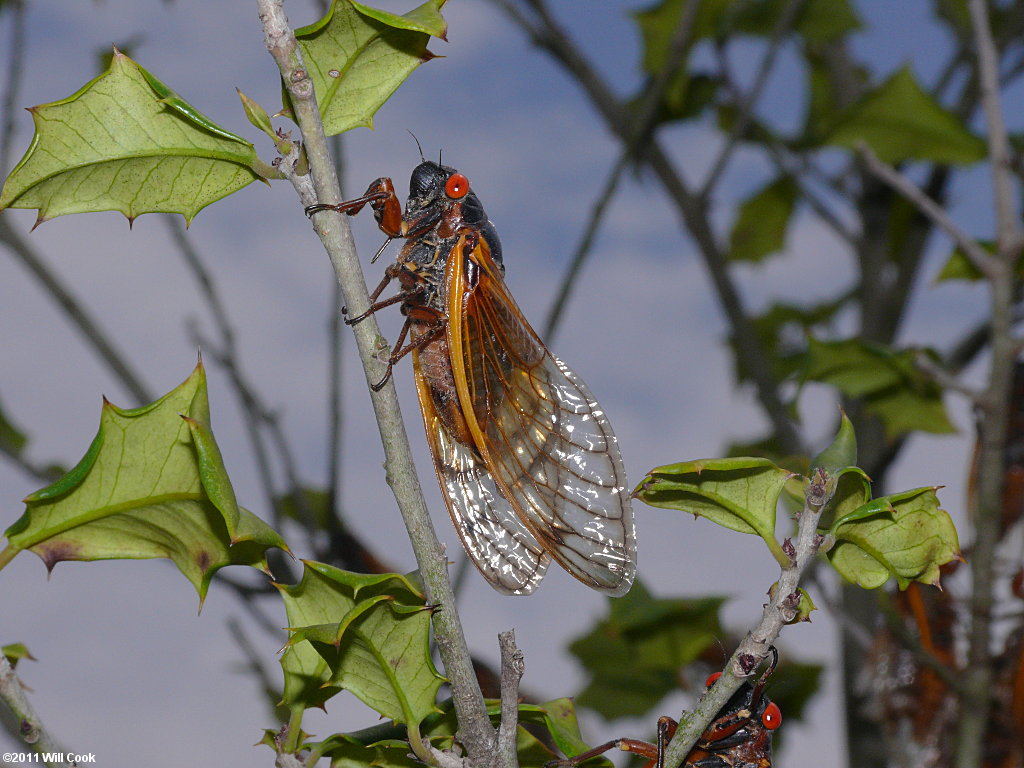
(76, 313)
(927, 206)
(475, 731)
(646, 122)
(780, 610)
(692, 211)
(746, 104)
(12, 693)
(976, 704)
(512, 668)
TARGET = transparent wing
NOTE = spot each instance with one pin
(496, 540)
(543, 436)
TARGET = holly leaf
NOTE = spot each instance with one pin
(760, 226)
(15, 652)
(888, 380)
(738, 493)
(901, 121)
(366, 633)
(152, 484)
(906, 536)
(126, 142)
(357, 56)
(633, 656)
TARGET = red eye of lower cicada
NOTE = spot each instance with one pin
(457, 186)
(711, 679)
(771, 718)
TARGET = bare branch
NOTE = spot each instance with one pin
(76, 312)
(512, 668)
(935, 212)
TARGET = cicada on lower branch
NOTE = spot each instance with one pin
(527, 462)
(740, 736)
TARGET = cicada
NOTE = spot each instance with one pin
(740, 736)
(527, 462)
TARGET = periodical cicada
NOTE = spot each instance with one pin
(527, 462)
(740, 736)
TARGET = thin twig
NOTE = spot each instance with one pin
(16, 60)
(512, 668)
(475, 730)
(746, 104)
(31, 728)
(935, 212)
(76, 312)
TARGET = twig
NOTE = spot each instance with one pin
(512, 668)
(547, 34)
(746, 104)
(936, 213)
(75, 312)
(646, 121)
(945, 379)
(780, 610)
(16, 58)
(30, 726)
(977, 702)
(475, 730)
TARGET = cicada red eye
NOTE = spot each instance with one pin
(771, 718)
(457, 186)
(711, 679)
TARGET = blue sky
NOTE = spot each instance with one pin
(126, 669)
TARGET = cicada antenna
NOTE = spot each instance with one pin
(422, 158)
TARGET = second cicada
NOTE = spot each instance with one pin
(527, 462)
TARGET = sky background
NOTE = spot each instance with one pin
(126, 669)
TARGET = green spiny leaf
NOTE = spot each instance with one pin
(633, 656)
(357, 56)
(126, 142)
(889, 381)
(351, 631)
(142, 491)
(738, 493)
(760, 227)
(900, 121)
(906, 536)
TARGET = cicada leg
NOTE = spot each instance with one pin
(399, 351)
(380, 195)
(655, 753)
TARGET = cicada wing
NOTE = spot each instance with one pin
(543, 436)
(496, 540)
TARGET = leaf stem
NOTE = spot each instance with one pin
(7, 554)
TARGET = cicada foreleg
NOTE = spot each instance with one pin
(381, 197)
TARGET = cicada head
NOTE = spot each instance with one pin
(749, 716)
(440, 198)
